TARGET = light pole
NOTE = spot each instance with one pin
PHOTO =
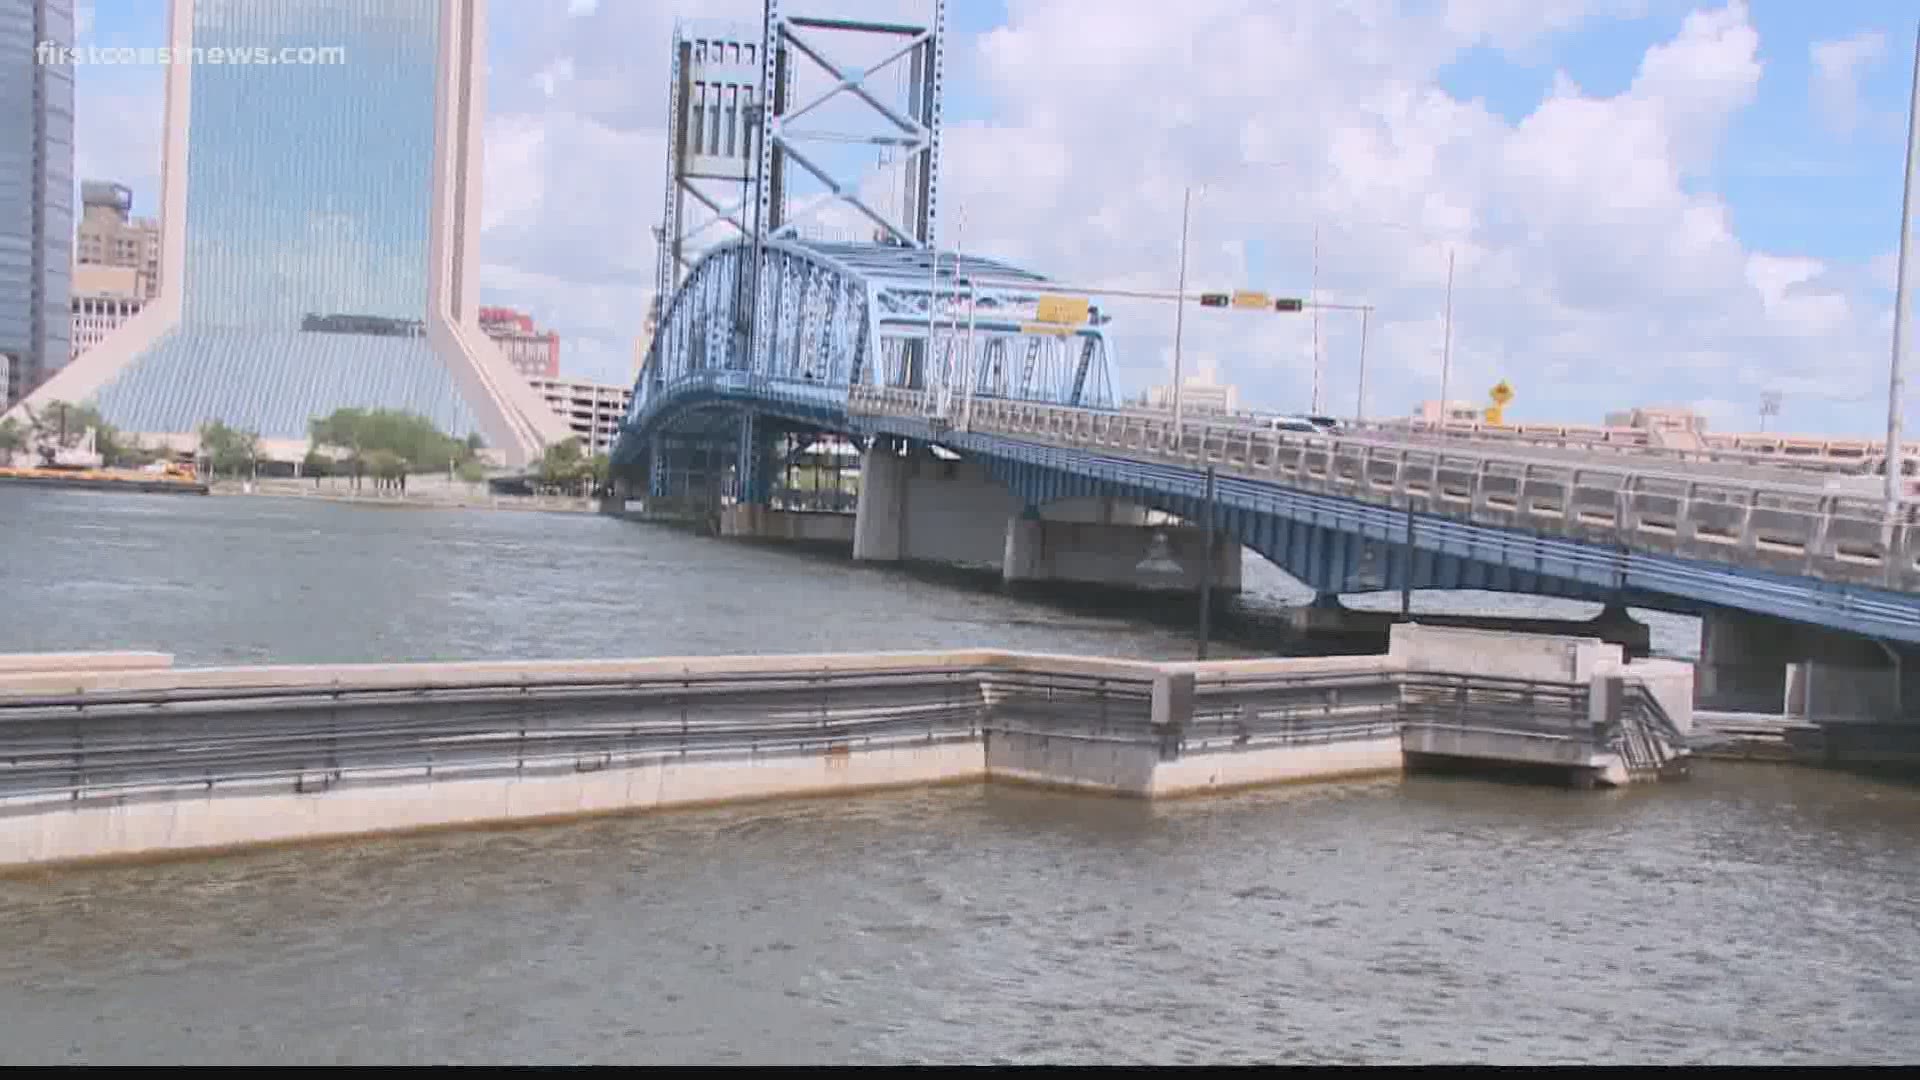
(1180, 298)
(1180, 308)
(1902, 318)
(1360, 395)
(1446, 345)
(1313, 294)
(1206, 568)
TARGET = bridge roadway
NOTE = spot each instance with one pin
(1769, 546)
(1672, 539)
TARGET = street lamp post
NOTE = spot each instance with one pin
(1446, 345)
(1360, 395)
(1206, 568)
(1902, 317)
(1180, 308)
(1313, 293)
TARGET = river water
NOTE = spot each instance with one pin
(1751, 915)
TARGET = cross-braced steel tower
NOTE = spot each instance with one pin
(731, 176)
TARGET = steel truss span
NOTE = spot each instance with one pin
(818, 319)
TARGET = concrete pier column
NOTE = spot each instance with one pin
(1744, 658)
(615, 503)
(1743, 661)
(1038, 550)
(1756, 664)
(880, 519)
(1026, 545)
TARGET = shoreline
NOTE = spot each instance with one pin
(102, 480)
(422, 501)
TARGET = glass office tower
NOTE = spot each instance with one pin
(319, 222)
(36, 192)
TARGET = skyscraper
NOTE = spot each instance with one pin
(319, 223)
(36, 192)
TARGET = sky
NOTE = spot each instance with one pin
(1644, 201)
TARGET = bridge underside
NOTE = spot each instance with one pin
(714, 452)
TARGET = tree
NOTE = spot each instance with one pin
(387, 468)
(472, 472)
(227, 449)
(13, 439)
(407, 442)
(66, 424)
(317, 465)
(563, 464)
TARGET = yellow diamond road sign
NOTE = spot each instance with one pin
(1501, 392)
(1063, 310)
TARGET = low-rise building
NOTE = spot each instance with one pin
(102, 298)
(1198, 395)
(592, 410)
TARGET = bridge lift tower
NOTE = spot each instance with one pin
(772, 129)
(735, 165)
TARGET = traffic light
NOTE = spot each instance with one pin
(1215, 299)
(1287, 303)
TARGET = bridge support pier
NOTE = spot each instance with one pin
(1752, 663)
(917, 507)
(880, 515)
(1109, 554)
(615, 502)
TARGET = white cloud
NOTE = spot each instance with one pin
(1837, 67)
(1592, 270)
(1595, 267)
(582, 8)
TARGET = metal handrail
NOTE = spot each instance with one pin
(122, 743)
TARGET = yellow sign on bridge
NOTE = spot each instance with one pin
(1063, 310)
(1502, 393)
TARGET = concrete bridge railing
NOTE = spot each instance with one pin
(1823, 457)
(1789, 528)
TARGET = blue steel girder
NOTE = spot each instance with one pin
(754, 464)
(1450, 554)
(1319, 555)
(830, 316)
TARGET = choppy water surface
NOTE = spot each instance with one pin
(1751, 915)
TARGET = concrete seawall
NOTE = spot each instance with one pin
(118, 755)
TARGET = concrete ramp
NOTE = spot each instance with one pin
(1562, 703)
